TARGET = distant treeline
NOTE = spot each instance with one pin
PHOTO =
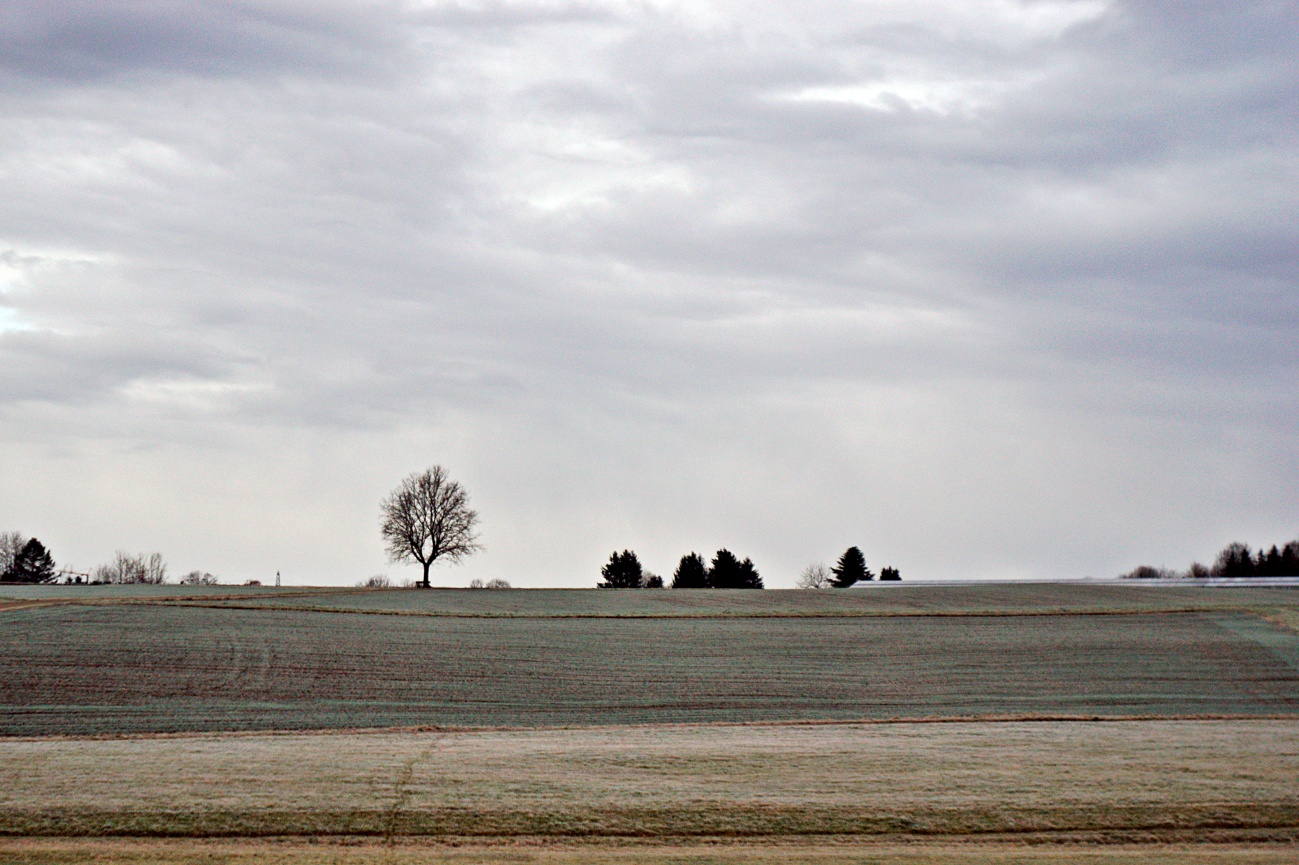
(727, 571)
(624, 571)
(26, 560)
(1235, 560)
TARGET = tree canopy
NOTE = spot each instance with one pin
(691, 573)
(728, 572)
(1235, 560)
(31, 564)
(428, 518)
(622, 571)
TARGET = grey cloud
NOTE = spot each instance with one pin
(71, 41)
(662, 276)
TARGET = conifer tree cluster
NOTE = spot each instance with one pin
(25, 560)
(624, 571)
(1235, 560)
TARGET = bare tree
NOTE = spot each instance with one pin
(126, 568)
(11, 544)
(428, 518)
(198, 578)
(815, 576)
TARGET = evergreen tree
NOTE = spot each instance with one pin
(851, 569)
(1269, 563)
(748, 577)
(1290, 559)
(623, 571)
(691, 573)
(889, 574)
(725, 571)
(1235, 560)
(33, 564)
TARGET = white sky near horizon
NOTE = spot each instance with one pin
(989, 289)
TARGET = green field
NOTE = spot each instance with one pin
(130, 667)
(871, 599)
(1126, 723)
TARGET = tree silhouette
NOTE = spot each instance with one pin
(32, 564)
(1290, 559)
(728, 572)
(851, 569)
(691, 573)
(1235, 560)
(890, 574)
(11, 544)
(622, 571)
(428, 518)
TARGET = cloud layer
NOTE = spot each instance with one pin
(996, 289)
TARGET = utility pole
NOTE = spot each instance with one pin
(277, 579)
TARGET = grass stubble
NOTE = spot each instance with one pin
(1120, 791)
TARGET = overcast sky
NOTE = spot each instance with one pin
(988, 289)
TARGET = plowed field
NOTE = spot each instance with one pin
(148, 667)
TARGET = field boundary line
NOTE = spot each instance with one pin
(829, 614)
(666, 725)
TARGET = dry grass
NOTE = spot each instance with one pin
(840, 852)
(882, 779)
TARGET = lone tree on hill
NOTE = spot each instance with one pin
(728, 572)
(32, 564)
(622, 571)
(428, 518)
(691, 573)
(851, 569)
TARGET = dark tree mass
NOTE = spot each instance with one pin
(691, 573)
(31, 564)
(728, 572)
(851, 569)
(1235, 560)
(622, 571)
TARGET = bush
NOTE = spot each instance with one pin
(815, 576)
(1145, 572)
(198, 578)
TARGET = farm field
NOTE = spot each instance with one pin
(873, 599)
(676, 852)
(1050, 723)
(141, 668)
(1014, 791)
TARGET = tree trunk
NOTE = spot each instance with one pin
(426, 567)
